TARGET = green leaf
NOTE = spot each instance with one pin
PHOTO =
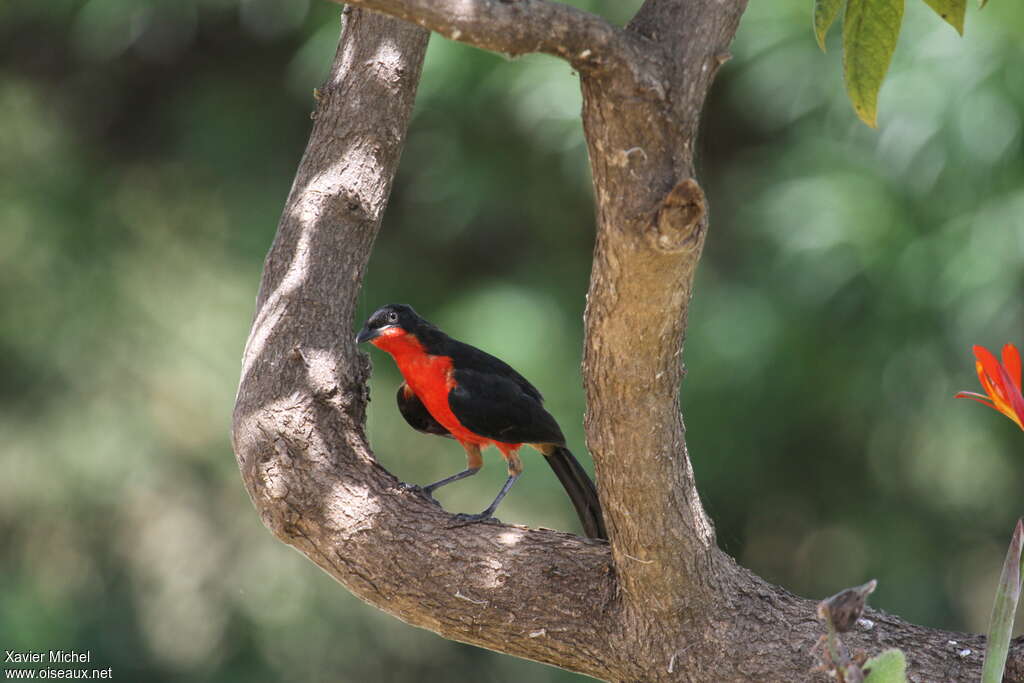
(870, 31)
(982, 3)
(1007, 595)
(951, 11)
(888, 667)
(825, 13)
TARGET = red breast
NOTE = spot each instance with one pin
(430, 377)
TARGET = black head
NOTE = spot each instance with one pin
(391, 319)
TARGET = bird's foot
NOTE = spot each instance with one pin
(462, 519)
(418, 490)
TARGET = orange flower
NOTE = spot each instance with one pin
(1001, 382)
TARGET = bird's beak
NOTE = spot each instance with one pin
(366, 334)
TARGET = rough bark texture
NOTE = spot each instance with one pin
(660, 602)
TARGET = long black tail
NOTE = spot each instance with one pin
(581, 490)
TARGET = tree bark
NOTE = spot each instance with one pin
(661, 601)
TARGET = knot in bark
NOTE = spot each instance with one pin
(679, 222)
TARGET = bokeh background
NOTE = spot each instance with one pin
(146, 149)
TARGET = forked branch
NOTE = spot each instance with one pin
(661, 602)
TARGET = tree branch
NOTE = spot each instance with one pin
(517, 27)
(651, 227)
(299, 417)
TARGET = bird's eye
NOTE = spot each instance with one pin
(392, 317)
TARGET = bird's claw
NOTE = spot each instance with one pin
(418, 490)
(463, 519)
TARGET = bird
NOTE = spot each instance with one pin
(455, 390)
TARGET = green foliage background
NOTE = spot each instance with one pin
(146, 150)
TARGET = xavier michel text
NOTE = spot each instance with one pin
(49, 657)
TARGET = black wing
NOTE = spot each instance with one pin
(468, 357)
(498, 407)
(415, 413)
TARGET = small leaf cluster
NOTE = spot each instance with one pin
(871, 29)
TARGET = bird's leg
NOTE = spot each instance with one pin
(474, 461)
(515, 468)
(430, 488)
